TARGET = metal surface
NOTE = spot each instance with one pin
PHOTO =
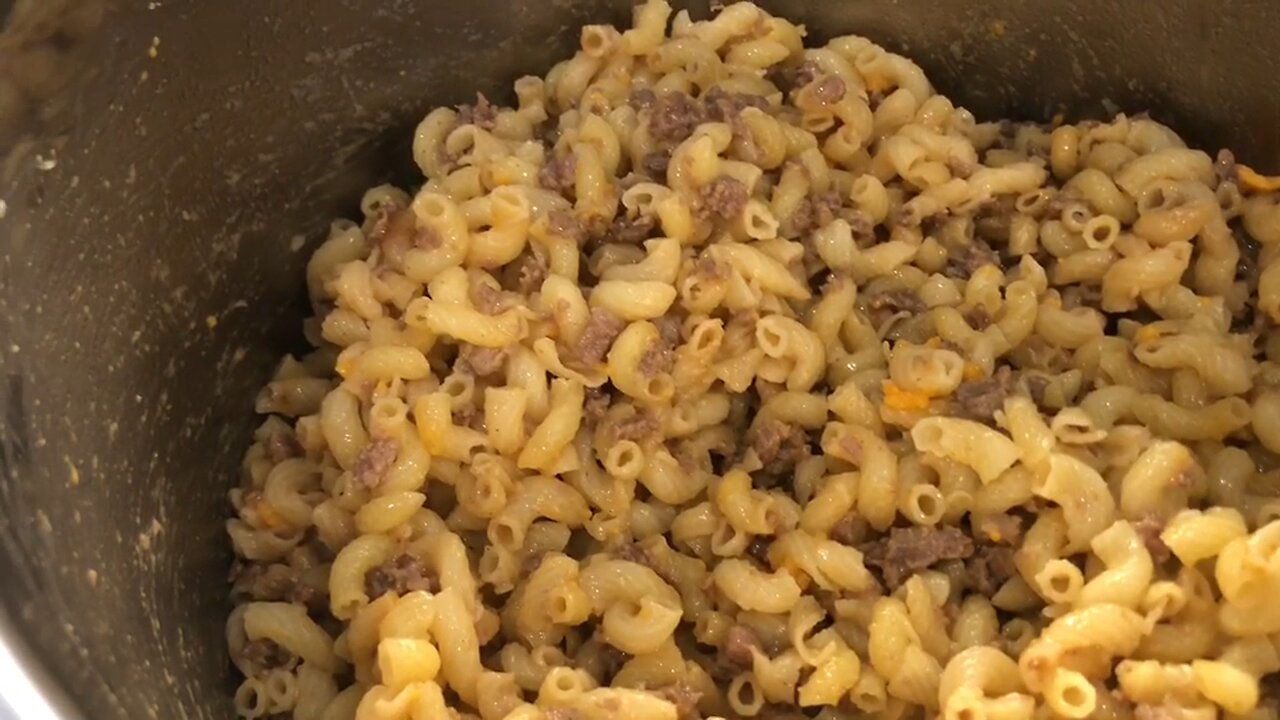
(168, 164)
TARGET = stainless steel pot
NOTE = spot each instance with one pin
(167, 165)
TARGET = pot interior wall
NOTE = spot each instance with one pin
(169, 166)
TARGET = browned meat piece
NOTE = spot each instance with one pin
(655, 164)
(631, 231)
(989, 568)
(531, 271)
(480, 361)
(707, 267)
(374, 462)
(402, 574)
(642, 99)
(806, 74)
(897, 301)
(426, 239)
(829, 90)
(265, 655)
(658, 359)
(1149, 529)
(818, 210)
(558, 174)
(980, 399)
(779, 445)
(637, 426)
(963, 262)
(281, 446)
(978, 317)
(487, 298)
(725, 196)
(631, 552)
(1036, 385)
(603, 327)
(684, 697)
(670, 329)
(727, 107)
(563, 223)
(909, 550)
(674, 117)
(596, 405)
(850, 530)
(481, 114)
(738, 644)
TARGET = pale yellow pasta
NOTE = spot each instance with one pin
(726, 377)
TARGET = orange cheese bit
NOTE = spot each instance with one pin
(1249, 179)
(972, 371)
(896, 398)
(268, 514)
(1147, 334)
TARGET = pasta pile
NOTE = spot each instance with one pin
(725, 377)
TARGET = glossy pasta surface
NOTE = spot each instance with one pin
(722, 376)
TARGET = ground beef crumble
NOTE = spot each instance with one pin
(374, 462)
(907, 551)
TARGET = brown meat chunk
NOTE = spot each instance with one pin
(1149, 529)
(978, 317)
(658, 359)
(963, 262)
(849, 530)
(595, 406)
(738, 644)
(642, 99)
(805, 74)
(673, 118)
(603, 327)
(487, 298)
(637, 426)
(1036, 385)
(631, 231)
(819, 210)
(480, 361)
(897, 301)
(374, 462)
(402, 574)
(779, 446)
(723, 106)
(989, 568)
(655, 164)
(980, 399)
(281, 446)
(707, 267)
(563, 223)
(482, 114)
(725, 196)
(684, 696)
(558, 174)
(829, 90)
(531, 271)
(909, 550)
(264, 655)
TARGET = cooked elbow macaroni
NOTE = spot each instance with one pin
(725, 377)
